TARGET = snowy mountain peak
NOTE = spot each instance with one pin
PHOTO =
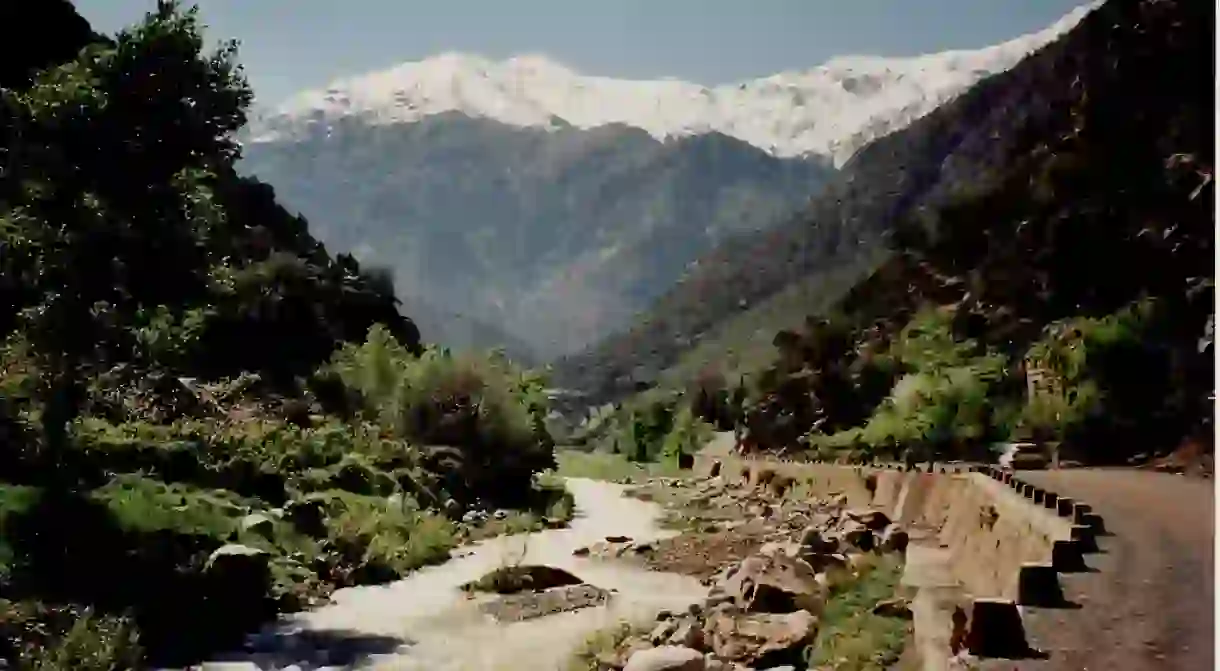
(831, 110)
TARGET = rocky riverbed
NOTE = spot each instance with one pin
(429, 622)
(779, 565)
(670, 574)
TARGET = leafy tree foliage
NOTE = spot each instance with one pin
(1028, 214)
(125, 234)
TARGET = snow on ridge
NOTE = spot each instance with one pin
(831, 110)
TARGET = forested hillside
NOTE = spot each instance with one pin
(1048, 272)
(205, 417)
(907, 176)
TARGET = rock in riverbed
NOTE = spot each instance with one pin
(666, 658)
(531, 591)
(529, 605)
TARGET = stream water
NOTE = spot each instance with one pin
(425, 623)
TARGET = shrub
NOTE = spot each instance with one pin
(54, 638)
(492, 413)
(1103, 372)
(377, 540)
(687, 436)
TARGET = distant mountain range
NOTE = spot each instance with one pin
(544, 209)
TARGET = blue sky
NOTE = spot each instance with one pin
(287, 45)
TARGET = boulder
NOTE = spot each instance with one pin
(529, 605)
(815, 540)
(259, 524)
(666, 658)
(688, 634)
(474, 517)
(821, 562)
(618, 657)
(307, 515)
(237, 557)
(773, 584)
(894, 539)
(513, 579)
(857, 535)
(895, 607)
(761, 476)
(779, 485)
(760, 639)
(775, 548)
(873, 520)
(661, 633)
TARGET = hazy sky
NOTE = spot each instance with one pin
(287, 45)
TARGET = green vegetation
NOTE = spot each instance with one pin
(1020, 209)
(654, 427)
(1003, 305)
(610, 466)
(605, 642)
(850, 636)
(205, 418)
(741, 345)
(947, 396)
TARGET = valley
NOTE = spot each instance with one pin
(561, 206)
(892, 363)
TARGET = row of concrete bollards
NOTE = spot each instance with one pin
(1086, 524)
(995, 624)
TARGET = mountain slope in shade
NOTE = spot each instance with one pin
(558, 237)
(831, 110)
(463, 333)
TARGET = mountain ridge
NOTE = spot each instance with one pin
(829, 110)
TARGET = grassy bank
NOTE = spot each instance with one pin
(850, 636)
(611, 467)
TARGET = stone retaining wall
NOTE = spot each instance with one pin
(996, 539)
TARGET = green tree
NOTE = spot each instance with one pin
(113, 152)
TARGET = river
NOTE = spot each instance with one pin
(425, 623)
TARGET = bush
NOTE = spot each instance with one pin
(55, 638)
(1112, 387)
(376, 540)
(492, 413)
(687, 436)
(947, 396)
(947, 411)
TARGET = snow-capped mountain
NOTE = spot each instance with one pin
(828, 111)
(556, 205)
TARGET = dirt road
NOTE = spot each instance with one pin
(1147, 601)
